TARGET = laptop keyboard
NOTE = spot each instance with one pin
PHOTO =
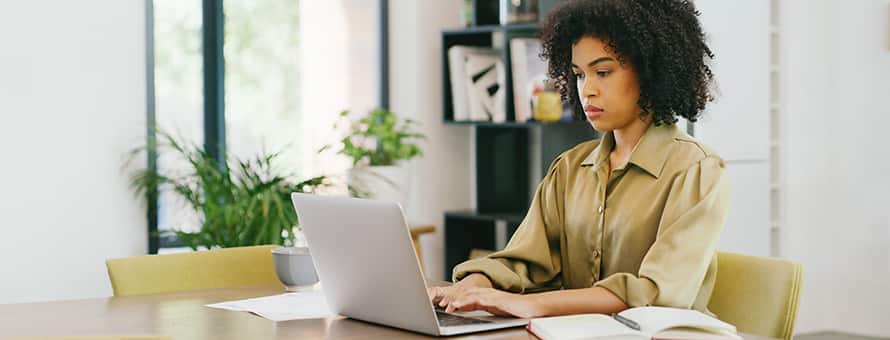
(446, 320)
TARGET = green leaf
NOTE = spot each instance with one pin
(245, 202)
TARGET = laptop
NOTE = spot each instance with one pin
(365, 260)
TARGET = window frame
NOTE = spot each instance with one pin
(214, 96)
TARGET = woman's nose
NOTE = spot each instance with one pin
(590, 90)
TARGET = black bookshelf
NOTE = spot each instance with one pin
(510, 157)
(468, 230)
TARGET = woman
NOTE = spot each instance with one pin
(630, 219)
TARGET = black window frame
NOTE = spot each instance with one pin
(214, 95)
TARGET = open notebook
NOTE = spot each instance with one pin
(655, 323)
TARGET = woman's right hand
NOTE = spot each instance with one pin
(442, 296)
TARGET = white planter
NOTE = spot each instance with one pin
(384, 183)
(294, 268)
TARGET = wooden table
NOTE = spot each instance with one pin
(183, 316)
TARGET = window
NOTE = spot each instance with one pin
(262, 77)
(179, 97)
(290, 67)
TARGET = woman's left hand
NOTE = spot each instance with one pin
(497, 302)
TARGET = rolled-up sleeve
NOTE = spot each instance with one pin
(673, 270)
(531, 260)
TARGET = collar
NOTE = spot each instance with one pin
(649, 154)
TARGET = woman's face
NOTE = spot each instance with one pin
(608, 90)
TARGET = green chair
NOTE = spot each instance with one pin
(218, 268)
(758, 295)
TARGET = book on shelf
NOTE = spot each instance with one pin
(529, 75)
(477, 78)
(660, 323)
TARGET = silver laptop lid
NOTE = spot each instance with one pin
(365, 261)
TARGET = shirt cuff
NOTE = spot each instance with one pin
(634, 291)
(498, 273)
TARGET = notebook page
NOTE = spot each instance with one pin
(655, 319)
(694, 334)
(582, 326)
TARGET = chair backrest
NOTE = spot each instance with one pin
(218, 268)
(758, 295)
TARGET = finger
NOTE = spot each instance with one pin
(434, 293)
(487, 305)
(452, 295)
(439, 293)
(486, 302)
(453, 307)
(447, 297)
(450, 304)
(469, 301)
(470, 304)
(444, 299)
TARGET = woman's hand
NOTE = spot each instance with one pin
(475, 292)
(442, 296)
(496, 302)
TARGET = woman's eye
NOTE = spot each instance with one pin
(579, 75)
(602, 74)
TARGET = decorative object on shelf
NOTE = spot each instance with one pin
(546, 102)
(529, 70)
(240, 202)
(467, 13)
(457, 62)
(477, 78)
(378, 145)
(485, 73)
(518, 11)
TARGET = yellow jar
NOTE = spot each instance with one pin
(548, 107)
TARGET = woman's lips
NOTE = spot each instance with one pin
(592, 111)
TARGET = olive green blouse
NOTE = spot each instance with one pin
(647, 232)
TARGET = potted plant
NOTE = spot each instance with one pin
(240, 202)
(378, 144)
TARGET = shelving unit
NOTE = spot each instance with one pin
(509, 158)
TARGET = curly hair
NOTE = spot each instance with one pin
(662, 39)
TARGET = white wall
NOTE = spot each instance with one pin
(339, 71)
(834, 170)
(736, 124)
(441, 178)
(837, 179)
(72, 103)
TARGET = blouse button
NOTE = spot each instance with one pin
(600, 210)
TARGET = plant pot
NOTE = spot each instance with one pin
(384, 183)
(294, 268)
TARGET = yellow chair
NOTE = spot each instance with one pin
(218, 268)
(758, 295)
(416, 231)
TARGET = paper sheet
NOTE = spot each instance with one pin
(283, 307)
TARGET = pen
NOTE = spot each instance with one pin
(627, 322)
